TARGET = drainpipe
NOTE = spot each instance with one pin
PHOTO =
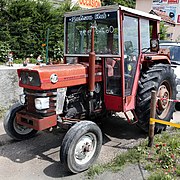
(92, 59)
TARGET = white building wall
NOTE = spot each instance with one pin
(169, 6)
(144, 5)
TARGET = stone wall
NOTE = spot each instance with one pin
(9, 88)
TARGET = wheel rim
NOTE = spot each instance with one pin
(85, 148)
(163, 104)
(20, 129)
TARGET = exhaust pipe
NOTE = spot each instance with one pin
(92, 59)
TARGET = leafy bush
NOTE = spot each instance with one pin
(28, 25)
(4, 50)
(18, 61)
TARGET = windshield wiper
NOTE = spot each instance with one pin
(144, 50)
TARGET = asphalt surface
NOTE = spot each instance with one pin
(38, 158)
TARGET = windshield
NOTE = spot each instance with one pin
(78, 33)
(174, 51)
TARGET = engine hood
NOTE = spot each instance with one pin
(56, 76)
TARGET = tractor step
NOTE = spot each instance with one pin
(131, 120)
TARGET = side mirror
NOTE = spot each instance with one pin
(154, 45)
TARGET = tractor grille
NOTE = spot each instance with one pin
(31, 95)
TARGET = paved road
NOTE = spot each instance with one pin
(38, 158)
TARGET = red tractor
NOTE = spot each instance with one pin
(111, 64)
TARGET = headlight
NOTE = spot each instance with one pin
(22, 98)
(42, 103)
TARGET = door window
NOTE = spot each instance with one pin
(113, 79)
(131, 50)
(145, 35)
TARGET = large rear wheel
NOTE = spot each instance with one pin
(161, 78)
(81, 146)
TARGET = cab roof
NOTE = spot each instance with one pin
(113, 8)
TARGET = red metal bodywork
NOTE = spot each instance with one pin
(68, 75)
(34, 122)
(126, 103)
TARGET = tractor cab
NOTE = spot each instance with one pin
(118, 35)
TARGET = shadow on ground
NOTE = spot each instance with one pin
(46, 145)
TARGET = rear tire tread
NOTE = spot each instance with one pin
(151, 80)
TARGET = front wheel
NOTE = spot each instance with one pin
(81, 146)
(15, 130)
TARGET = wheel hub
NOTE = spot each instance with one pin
(163, 94)
(20, 129)
(85, 148)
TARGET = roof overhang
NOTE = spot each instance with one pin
(113, 8)
(164, 17)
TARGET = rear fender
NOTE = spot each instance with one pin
(149, 59)
(156, 58)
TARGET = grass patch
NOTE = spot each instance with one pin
(2, 112)
(131, 156)
(160, 176)
(2, 63)
(162, 160)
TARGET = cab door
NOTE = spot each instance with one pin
(131, 51)
(120, 72)
(131, 55)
